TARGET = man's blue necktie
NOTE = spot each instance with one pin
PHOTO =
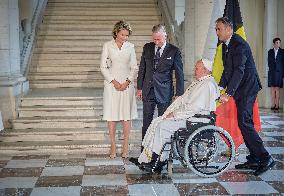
(157, 57)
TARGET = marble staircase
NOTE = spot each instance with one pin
(70, 39)
(62, 113)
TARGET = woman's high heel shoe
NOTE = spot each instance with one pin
(124, 155)
(112, 153)
(112, 156)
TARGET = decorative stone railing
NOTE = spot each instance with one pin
(29, 39)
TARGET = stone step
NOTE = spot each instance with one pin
(97, 42)
(64, 69)
(100, 23)
(64, 96)
(128, 18)
(35, 78)
(96, 36)
(80, 41)
(91, 31)
(61, 102)
(100, 13)
(63, 47)
(96, 46)
(61, 51)
(41, 135)
(91, 5)
(102, 7)
(100, 10)
(100, 26)
(65, 62)
(62, 56)
(65, 76)
(95, 147)
(66, 84)
(52, 131)
(101, 1)
(56, 36)
(65, 122)
(49, 64)
(58, 101)
(60, 111)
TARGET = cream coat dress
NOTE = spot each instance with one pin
(119, 64)
(199, 98)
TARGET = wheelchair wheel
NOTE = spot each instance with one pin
(209, 151)
(178, 148)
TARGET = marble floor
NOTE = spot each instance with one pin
(87, 174)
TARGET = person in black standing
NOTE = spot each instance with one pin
(155, 76)
(241, 80)
(275, 73)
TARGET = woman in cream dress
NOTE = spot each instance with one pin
(119, 68)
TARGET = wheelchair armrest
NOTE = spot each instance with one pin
(211, 116)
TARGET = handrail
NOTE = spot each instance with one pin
(29, 42)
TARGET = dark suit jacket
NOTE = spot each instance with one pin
(161, 78)
(276, 65)
(240, 75)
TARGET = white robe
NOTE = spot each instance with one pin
(199, 98)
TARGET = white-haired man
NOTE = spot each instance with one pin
(199, 98)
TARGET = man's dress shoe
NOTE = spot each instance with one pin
(135, 161)
(264, 166)
(154, 167)
(247, 165)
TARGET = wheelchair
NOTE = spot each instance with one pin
(204, 148)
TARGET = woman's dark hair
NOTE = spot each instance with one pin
(276, 39)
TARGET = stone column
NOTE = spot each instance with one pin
(197, 21)
(189, 41)
(270, 31)
(11, 80)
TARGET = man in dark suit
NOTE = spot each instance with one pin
(275, 72)
(240, 78)
(155, 77)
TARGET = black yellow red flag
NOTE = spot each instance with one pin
(227, 113)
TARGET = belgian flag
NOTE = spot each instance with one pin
(227, 113)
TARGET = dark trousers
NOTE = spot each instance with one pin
(251, 138)
(149, 105)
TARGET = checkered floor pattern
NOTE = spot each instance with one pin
(86, 174)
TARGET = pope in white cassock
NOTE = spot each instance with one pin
(199, 98)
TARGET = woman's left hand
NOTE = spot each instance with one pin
(124, 86)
